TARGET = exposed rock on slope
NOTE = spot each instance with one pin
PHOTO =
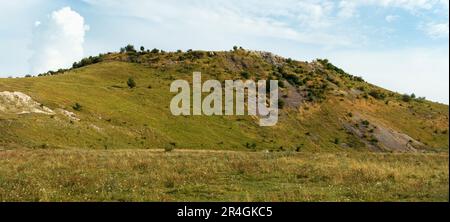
(20, 103)
(380, 138)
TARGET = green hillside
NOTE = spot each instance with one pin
(324, 108)
(103, 131)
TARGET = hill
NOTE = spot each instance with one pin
(323, 107)
(103, 131)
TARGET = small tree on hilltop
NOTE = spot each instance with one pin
(130, 48)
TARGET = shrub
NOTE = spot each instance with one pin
(358, 78)
(169, 184)
(77, 107)
(406, 98)
(245, 75)
(336, 141)
(365, 123)
(170, 147)
(197, 54)
(281, 103)
(84, 62)
(373, 141)
(251, 146)
(131, 83)
(377, 94)
(130, 48)
(293, 79)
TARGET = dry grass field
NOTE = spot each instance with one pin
(188, 175)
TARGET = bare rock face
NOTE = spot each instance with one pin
(380, 138)
(270, 57)
(20, 103)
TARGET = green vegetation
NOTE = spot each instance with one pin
(377, 94)
(140, 175)
(131, 83)
(407, 98)
(102, 141)
(77, 107)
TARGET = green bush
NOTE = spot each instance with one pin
(130, 48)
(336, 141)
(77, 107)
(245, 75)
(293, 79)
(131, 83)
(281, 103)
(365, 123)
(170, 147)
(377, 94)
(406, 98)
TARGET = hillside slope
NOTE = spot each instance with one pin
(90, 106)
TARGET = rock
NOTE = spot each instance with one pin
(20, 103)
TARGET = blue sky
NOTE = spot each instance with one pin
(401, 45)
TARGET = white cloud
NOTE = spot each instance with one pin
(424, 72)
(307, 22)
(347, 9)
(435, 30)
(58, 41)
(391, 18)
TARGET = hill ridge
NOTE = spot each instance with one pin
(323, 107)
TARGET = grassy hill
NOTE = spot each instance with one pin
(324, 107)
(91, 114)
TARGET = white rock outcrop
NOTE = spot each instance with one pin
(21, 103)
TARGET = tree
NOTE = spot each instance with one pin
(131, 83)
(130, 48)
(406, 98)
(142, 49)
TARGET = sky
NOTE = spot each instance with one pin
(401, 45)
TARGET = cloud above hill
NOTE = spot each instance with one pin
(58, 41)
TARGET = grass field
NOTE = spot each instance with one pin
(188, 175)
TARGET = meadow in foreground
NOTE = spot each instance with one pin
(186, 175)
